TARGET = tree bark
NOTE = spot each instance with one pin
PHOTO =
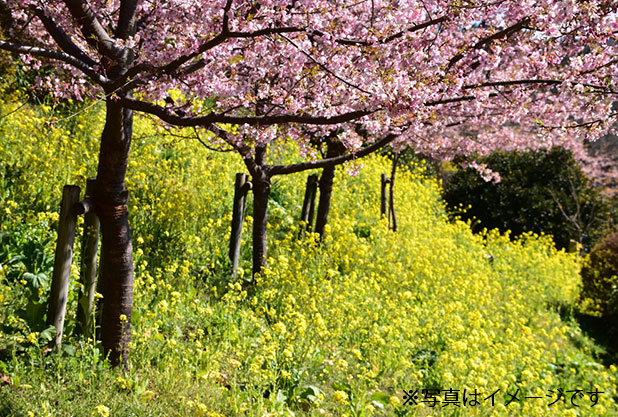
(326, 190)
(326, 187)
(261, 191)
(110, 201)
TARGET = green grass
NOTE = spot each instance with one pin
(337, 329)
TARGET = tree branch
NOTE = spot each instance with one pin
(225, 34)
(217, 40)
(58, 55)
(415, 28)
(484, 41)
(206, 120)
(511, 83)
(329, 162)
(308, 55)
(411, 29)
(62, 39)
(126, 19)
(226, 19)
(94, 33)
(608, 64)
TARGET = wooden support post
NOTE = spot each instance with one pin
(63, 260)
(311, 213)
(241, 187)
(392, 218)
(383, 198)
(306, 216)
(88, 267)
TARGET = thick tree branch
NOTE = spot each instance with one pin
(62, 39)
(226, 18)
(411, 29)
(243, 150)
(415, 28)
(219, 39)
(127, 19)
(329, 162)
(165, 115)
(176, 64)
(449, 100)
(484, 41)
(94, 33)
(58, 55)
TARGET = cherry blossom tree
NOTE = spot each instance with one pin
(441, 77)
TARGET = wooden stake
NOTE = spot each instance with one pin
(392, 218)
(308, 210)
(241, 187)
(88, 269)
(62, 262)
(383, 198)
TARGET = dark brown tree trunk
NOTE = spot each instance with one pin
(111, 198)
(326, 188)
(261, 191)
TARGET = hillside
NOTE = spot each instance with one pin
(350, 327)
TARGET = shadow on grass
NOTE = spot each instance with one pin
(602, 332)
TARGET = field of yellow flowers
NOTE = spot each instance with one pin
(428, 321)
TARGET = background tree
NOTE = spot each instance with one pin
(413, 71)
(538, 191)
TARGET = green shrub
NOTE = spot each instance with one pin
(540, 192)
(600, 276)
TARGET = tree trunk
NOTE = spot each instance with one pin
(261, 191)
(110, 200)
(326, 188)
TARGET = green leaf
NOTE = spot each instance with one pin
(36, 281)
(310, 393)
(35, 312)
(68, 349)
(48, 334)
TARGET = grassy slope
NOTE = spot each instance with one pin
(337, 330)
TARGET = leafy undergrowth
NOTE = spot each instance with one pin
(352, 327)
